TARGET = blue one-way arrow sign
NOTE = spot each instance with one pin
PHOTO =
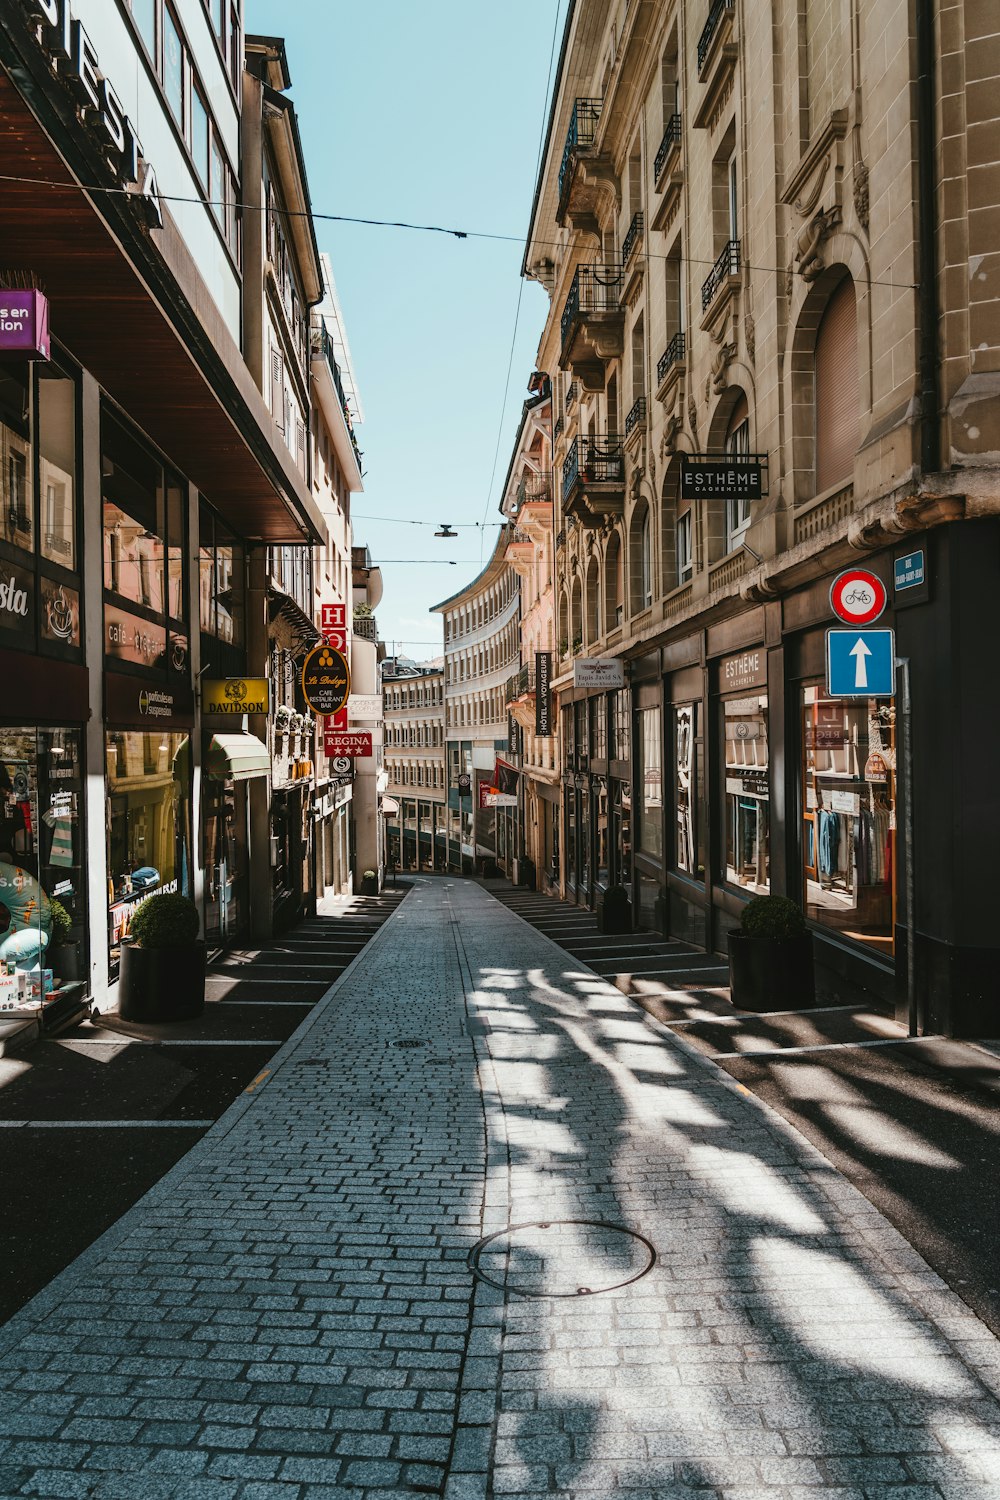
(860, 663)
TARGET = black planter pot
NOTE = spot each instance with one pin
(64, 960)
(161, 984)
(614, 913)
(369, 886)
(771, 973)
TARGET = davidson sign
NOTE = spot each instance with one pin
(234, 695)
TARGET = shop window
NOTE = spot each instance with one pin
(42, 854)
(200, 133)
(17, 519)
(621, 725)
(57, 441)
(649, 782)
(173, 65)
(599, 728)
(148, 831)
(144, 14)
(747, 803)
(849, 815)
(689, 770)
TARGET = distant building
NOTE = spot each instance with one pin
(413, 698)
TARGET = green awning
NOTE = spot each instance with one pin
(236, 757)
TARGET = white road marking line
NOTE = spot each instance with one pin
(889, 1041)
(105, 1124)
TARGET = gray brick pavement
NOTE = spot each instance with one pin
(290, 1316)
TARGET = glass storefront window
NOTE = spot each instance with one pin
(57, 466)
(17, 517)
(689, 837)
(148, 823)
(602, 851)
(649, 781)
(747, 831)
(849, 816)
(599, 728)
(42, 860)
(623, 832)
(620, 746)
(571, 837)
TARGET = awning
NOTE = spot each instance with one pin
(390, 807)
(288, 623)
(236, 757)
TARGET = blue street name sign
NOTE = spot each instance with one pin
(860, 663)
(908, 571)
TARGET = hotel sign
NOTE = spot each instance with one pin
(72, 56)
(235, 695)
(543, 693)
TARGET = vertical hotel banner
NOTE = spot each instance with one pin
(543, 693)
(333, 627)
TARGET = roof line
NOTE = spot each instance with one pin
(571, 11)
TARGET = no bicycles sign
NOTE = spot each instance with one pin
(858, 597)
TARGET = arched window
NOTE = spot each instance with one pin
(593, 602)
(563, 625)
(640, 561)
(737, 446)
(613, 582)
(576, 616)
(837, 395)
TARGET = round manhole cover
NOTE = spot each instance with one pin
(562, 1258)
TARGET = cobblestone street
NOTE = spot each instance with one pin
(291, 1314)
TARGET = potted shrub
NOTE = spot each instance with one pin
(614, 910)
(771, 957)
(163, 962)
(62, 955)
(369, 883)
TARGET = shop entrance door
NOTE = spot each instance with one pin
(225, 823)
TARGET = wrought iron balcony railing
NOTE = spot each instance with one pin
(559, 427)
(672, 355)
(572, 391)
(671, 140)
(728, 264)
(561, 538)
(321, 344)
(582, 127)
(365, 627)
(636, 415)
(593, 460)
(632, 238)
(711, 26)
(522, 682)
(594, 289)
(534, 487)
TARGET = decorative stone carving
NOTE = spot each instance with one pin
(861, 193)
(652, 469)
(750, 335)
(807, 259)
(693, 416)
(725, 351)
(789, 280)
(807, 202)
(635, 488)
(672, 426)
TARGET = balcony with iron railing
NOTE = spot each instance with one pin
(710, 30)
(572, 394)
(593, 479)
(534, 489)
(592, 323)
(321, 347)
(717, 53)
(632, 238)
(670, 143)
(725, 273)
(672, 356)
(579, 137)
(636, 419)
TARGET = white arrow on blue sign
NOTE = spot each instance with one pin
(860, 663)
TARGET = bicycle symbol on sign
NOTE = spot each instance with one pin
(861, 596)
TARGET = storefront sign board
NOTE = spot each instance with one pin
(24, 324)
(130, 702)
(234, 695)
(130, 638)
(858, 597)
(490, 798)
(326, 679)
(860, 663)
(599, 672)
(543, 694)
(60, 613)
(364, 707)
(337, 742)
(711, 479)
(464, 784)
(748, 669)
(17, 597)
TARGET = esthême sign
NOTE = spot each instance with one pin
(326, 680)
(717, 479)
(746, 670)
(235, 695)
(72, 56)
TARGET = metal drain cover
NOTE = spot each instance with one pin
(562, 1258)
(411, 1041)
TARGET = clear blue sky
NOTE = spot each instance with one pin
(430, 113)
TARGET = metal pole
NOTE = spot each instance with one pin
(911, 958)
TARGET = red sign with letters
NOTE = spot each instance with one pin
(347, 742)
(333, 624)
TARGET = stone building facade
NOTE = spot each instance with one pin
(766, 239)
(413, 698)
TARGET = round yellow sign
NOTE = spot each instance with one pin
(326, 680)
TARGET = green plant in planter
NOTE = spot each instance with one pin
(163, 966)
(62, 925)
(165, 921)
(772, 917)
(369, 875)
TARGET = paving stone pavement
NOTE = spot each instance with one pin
(290, 1314)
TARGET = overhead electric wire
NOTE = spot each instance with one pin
(459, 234)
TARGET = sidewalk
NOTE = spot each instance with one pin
(290, 1314)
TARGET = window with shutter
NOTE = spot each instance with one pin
(837, 403)
(278, 388)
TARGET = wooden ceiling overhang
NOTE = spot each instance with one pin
(129, 304)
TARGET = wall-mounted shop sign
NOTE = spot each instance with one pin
(24, 324)
(326, 679)
(705, 476)
(910, 584)
(72, 56)
(599, 672)
(543, 693)
(60, 613)
(128, 701)
(128, 637)
(464, 784)
(235, 695)
(748, 669)
(348, 742)
(363, 707)
(17, 595)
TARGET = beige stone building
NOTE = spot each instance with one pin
(413, 698)
(769, 239)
